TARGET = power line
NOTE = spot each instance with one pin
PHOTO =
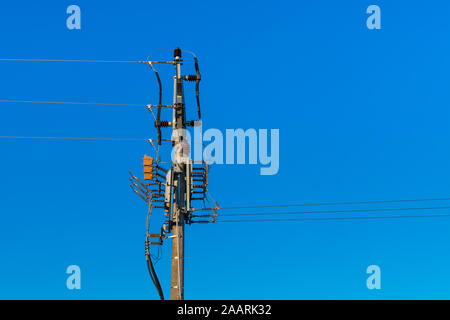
(83, 60)
(84, 103)
(336, 219)
(70, 60)
(75, 138)
(70, 102)
(334, 203)
(333, 211)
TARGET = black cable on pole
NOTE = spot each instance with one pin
(151, 269)
(153, 276)
(158, 116)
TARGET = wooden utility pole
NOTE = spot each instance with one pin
(179, 187)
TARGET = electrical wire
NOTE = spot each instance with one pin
(70, 102)
(337, 219)
(82, 139)
(82, 61)
(73, 138)
(71, 60)
(85, 103)
(190, 52)
(150, 267)
(159, 256)
(334, 211)
(154, 278)
(334, 203)
(158, 117)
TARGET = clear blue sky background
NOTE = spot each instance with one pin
(363, 115)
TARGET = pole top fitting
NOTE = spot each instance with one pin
(177, 52)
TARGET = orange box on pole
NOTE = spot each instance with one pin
(148, 168)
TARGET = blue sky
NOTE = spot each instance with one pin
(363, 115)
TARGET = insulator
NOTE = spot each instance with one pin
(165, 123)
(177, 53)
(190, 78)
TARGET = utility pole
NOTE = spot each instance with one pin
(174, 190)
(180, 197)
